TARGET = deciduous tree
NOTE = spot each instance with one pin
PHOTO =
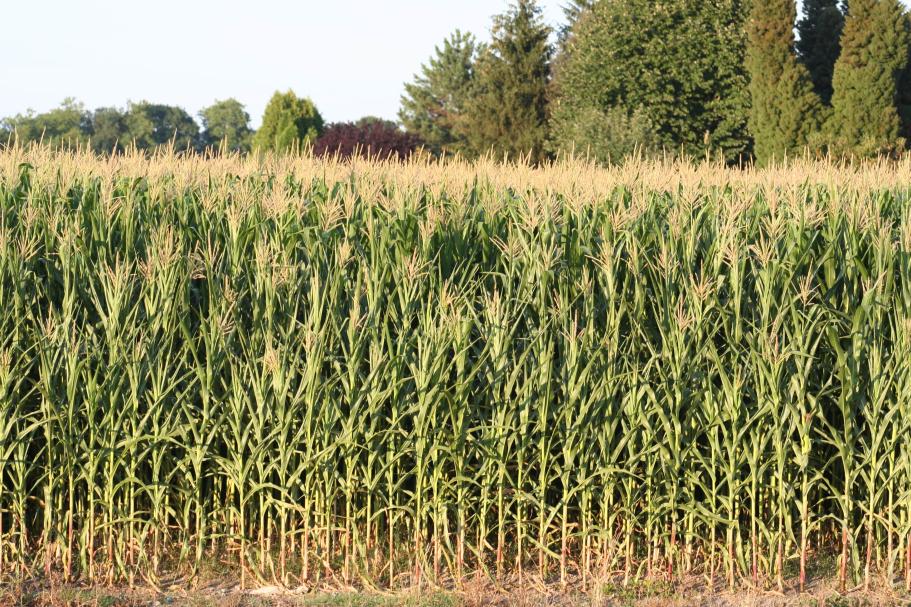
(677, 63)
(226, 122)
(109, 132)
(368, 137)
(150, 125)
(66, 126)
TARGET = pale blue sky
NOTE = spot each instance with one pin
(350, 56)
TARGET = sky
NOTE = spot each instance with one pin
(351, 57)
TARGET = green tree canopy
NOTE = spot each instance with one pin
(365, 121)
(679, 64)
(573, 11)
(226, 122)
(150, 125)
(108, 129)
(874, 53)
(609, 135)
(435, 101)
(288, 121)
(818, 42)
(67, 126)
(508, 110)
(109, 132)
(786, 111)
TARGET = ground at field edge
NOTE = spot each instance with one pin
(641, 595)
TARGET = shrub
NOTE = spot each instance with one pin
(606, 136)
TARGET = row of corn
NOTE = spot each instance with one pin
(344, 377)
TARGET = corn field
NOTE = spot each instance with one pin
(390, 375)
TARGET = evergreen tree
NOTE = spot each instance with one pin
(508, 112)
(818, 43)
(904, 97)
(435, 100)
(874, 53)
(573, 10)
(678, 64)
(288, 122)
(786, 111)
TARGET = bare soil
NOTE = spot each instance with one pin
(228, 594)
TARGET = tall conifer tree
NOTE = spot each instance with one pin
(435, 101)
(786, 111)
(904, 96)
(508, 113)
(573, 10)
(874, 53)
(818, 42)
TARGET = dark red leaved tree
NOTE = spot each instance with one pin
(371, 137)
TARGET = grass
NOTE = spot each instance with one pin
(305, 373)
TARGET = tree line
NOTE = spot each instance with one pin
(725, 78)
(289, 122)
